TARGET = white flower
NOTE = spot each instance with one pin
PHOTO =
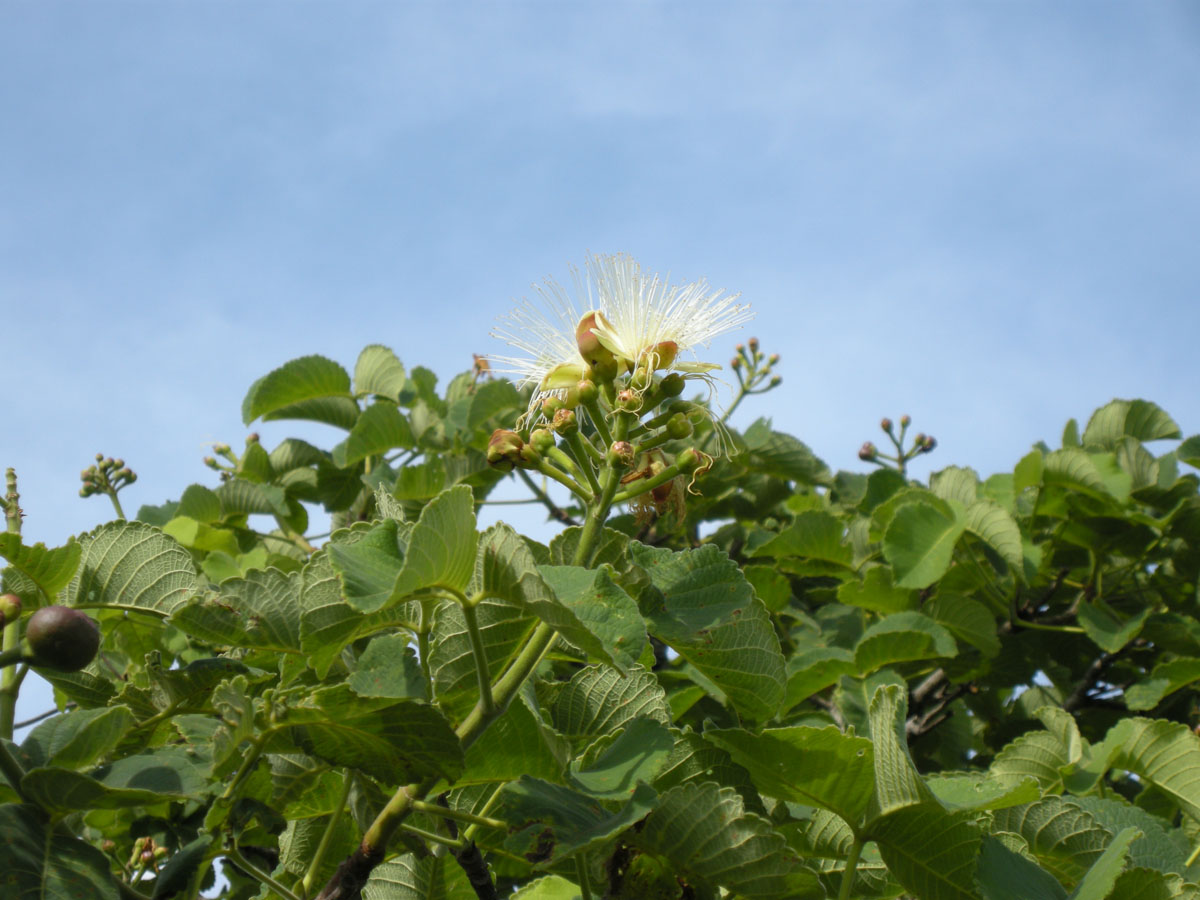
(644, 319)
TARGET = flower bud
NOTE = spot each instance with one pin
(679, 427)
(222, 449)
(85, 475)
(672, 385)
(642, 378)
(688, 460)
(621, 453)
(886, 425)
(210, 462)
(867, 452)
(118, 463)
(587, 391)
(628, 400)
(541, 440)
(10, 609)
(919, 439)
(590, 347)
(252, 438)
(905, 421)
(928, 444)
(740, 348)
(753, 343)
(565, 422)
(504, 449)
(775, 381)
(99, 457)
(773, 359)
(551, 405)
(108, 463)
(661, 355)
(62, 638)
(530, 458)
(735, 363)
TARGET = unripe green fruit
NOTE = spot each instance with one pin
(678, 426)
(672, 385)
(541, 440)
(10, 608)
(588, 391)
(62, 638)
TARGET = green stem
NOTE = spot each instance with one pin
(258, 874)
(423, 630)
(572, 470)
(848, 874)
(581, 875)
(310, 876)
(575, 442)
(486, 702)
(565, 480)
(642, 485)
(457, 815)
(1191, 860)
(453, 843)
(11, 638)
(247, 766)
(10, 657)
(596, 414)
(112, 495)
(12, 769)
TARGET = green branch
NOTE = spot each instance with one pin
(486, 702)
(848, 874)
(331, 827)
(258, 874)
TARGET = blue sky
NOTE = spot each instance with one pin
(981, 214)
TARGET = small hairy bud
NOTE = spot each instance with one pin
(688, 460)
(773, 359)
(775, 381)
(504, 449)
(735, 363)
(886, 425)
(565, 422)
(252, 438)
(753, 343)
(621, 453)
(210, 462)
(551, 405)
(905, 421)
(118, 463)
(99, 457)
(867, 452)
(587, 391)
(672, 385)
(662, 355)
(62, 638)
(919, 439)
(928, 444)
(679, 426)
(628, 400)
(541, 440)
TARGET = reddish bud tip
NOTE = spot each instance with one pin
(867, 452)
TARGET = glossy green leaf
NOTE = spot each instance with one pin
(919, 543)
(1147, 884)
(240, 497)
(709, 615)
(968, 620)
(42, 863)
(406, 877)
(1160, 847)
(1166, 754)
(309, 387)
(781, 455)
(1039, 755)
(551, 887)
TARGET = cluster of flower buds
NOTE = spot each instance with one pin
(146, 854)
(229, 462)
(754, 369)
(107, 476)
(921, 443)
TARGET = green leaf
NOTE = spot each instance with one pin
(814, 766)
(369, 566)
(550, 821)
(441, 548)
(881, 485)
(1160, 847)
(142, 780)
(598, 700)
(897, 784)
(551, 887)
(1039, 755)
(394, 742)
(389, 668)
(956, 484)
(1105, 629)
(770, 586)
(1166, 754)
(177, 873)
(902, 637)
(1138, 419)
(877, 593)
(1065, 839)
(258, 610)
(516, 744)
(1100, 878)
(968, 620)
(1075, 468)
(709, 615)
(198, 536)
(1165, 679)
(919, 543)
(42, 863)
(612, 627)
(422, 481)
(695, 760)
(379, 429)
(705, 833)
(379, 372)
(132, 566)
(78, 739)
(996, 527)
(813, 670)
(240, 497)
(408, 878)
(1005, 875)
(932, 852)
(615, 764)
(1147, 884)
(309, 387)
(781, 455)
(977, 791)
(50, 570)
(813, 535)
